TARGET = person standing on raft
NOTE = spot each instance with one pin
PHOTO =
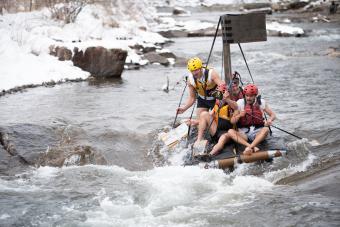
(203, 82)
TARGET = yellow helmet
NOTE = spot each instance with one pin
(194, 63)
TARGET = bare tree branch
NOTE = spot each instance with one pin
(67, 10)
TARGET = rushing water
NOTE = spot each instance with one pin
(121, 120)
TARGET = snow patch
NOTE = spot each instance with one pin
(284, 29)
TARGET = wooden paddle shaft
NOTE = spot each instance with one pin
(257, 156)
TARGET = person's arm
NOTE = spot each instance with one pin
(190, 101)
(230, 102)
(236, 116)
(272, 115)
(238, 113)
(216, 78)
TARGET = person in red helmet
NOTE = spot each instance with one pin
(253, 129)
(218, 120)
(236, 92)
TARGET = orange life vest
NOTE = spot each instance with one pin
(221, 112)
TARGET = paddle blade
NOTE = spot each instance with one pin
(314, 143)
(172, 137)
(199, 148)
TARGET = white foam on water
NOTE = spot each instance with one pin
(46, 172)
(174, 194)
(275, 176)
(18, 186)
(4, 216)
(175, 157)
(31, 181)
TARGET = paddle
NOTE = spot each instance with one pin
(189, 128)
(313, 142)
(180, 101)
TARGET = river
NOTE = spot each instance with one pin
(144, 186)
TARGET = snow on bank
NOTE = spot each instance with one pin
(24, 53)
(169, 23)
(284, 30)
(20, 68)
(195, 3)
(26, 37)
(273, 28)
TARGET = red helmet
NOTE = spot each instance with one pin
(222, 87)
(251, 89)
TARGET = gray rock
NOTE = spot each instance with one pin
(174, 33)
(140, 49)
(100, 62)
(250, 6)
(168, 55)
(10, 165)
(178, 11)
(63, 156)
(154, 57)
(25, 145)
(297, 4)
(62, 53)
(180, 61)
(28, 141)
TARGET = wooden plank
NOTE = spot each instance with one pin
(227, 63)
(172, 137)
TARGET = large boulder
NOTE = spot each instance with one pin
(27, 141)
(9, 164)
(100, 62)
(79, 155)
(25, 145)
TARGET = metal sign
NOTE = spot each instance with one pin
(243, 27)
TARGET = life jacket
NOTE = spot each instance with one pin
(239, 96)
(235, 98)
(253, 117)
(221, 112)
(204, 86)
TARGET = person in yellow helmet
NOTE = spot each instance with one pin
(201, 81)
